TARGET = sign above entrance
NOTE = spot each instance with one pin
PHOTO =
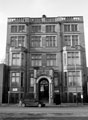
(43, 71)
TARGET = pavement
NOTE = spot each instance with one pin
(51, 105)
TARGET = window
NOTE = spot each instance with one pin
(67, 28)
(31, 82)
(74, 78)
(17, 41)
(73, 58)
(21, 28)
(50, 28)
(14, 29)
(36, 41)
(13, 41)
(71, 40)
(21, 41)
(36, 60)
(17, 28)
(22, 59)
(51, 41)
(67, 39)
(36, 29)
(22, 77)
(15, 79)
(51, 59)
(16, 60)
(74, 27)
(70, 27)
(56, 82)
(74, 40)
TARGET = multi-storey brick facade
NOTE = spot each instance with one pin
(46, 58)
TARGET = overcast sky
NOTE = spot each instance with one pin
(36, 8)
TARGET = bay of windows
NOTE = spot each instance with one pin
(40, 41)
(74, 78)
(36, 60)
(73, 58)
(51, 59)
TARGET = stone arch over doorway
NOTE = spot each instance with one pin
(45, 83)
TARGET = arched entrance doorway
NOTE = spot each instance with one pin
(44, 90)
(44, 83)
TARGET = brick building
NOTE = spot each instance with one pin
(46, 58)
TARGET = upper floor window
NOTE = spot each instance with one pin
(73, 58)
(36, 41)
(50, 28)
(21, 41)
(13, 41)
(14, 29)
(67, 28)
(51, 59)
(51, 41)
(75, 40)
(36, 60)
(21, 28)
(17, 41)
(67, 39)
(70, 27)
(16, 59)
(71, 40)
(17, 28)
(36, 29)
(74, 27)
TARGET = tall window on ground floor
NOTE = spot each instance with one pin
(36, 60)
(15, 79)
(74, 79)
(51, 59)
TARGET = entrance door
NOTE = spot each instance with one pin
(44, 90)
